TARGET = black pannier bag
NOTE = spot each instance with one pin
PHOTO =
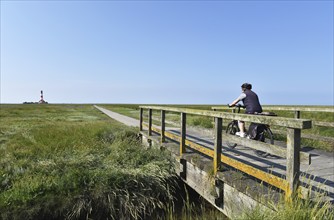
(255, 131)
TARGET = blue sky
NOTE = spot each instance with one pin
(165, 52)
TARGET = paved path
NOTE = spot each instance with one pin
(320, 174)
(118, 117)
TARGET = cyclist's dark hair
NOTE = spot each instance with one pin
(246, 86)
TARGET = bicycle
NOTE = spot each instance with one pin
(262, 133)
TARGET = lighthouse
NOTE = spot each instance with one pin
(42, 99)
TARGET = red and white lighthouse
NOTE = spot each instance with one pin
(42, 99)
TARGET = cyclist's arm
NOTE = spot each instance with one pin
(241, 97)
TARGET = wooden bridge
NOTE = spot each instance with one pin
(235, 179)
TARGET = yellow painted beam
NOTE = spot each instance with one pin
(259, 174)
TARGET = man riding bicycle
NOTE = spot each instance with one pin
(250, 101)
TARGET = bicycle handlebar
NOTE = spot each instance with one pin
(237, 106)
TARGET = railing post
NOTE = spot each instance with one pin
(183, 133)
(214, 117)
(149, 122)
(297, 114)
(162, 137)
(141, 119)
(218, 144)
(293, 161)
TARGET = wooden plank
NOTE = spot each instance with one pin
(271, 179)
(323, 123)
(206, 151)
(269, 148)
(297, 114)
(317, 137)
(268, 177)
(218, 144)
(256, 145)
(141, 119)
(293, 161)
(280, 121)
(149, 122)
(183, 133)
(163, 126)
(286, 108)
(308, 136)
(259, 174)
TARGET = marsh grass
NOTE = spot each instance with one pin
(201, 121)
(298, 209)
(54, 167)
(72, 162)
(191, 206)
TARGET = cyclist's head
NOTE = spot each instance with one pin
(246, 86)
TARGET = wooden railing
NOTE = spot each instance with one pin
(297, 114)
(292, 153)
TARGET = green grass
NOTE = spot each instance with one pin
(297, 210)
(71, 161)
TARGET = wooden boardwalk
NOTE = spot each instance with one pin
(319, 174)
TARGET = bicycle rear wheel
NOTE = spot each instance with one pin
(232, 128)
(267, 137)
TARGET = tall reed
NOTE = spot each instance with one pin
(74, 163)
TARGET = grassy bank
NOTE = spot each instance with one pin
(71, 161)
(297, 210)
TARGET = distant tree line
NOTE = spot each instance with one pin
(35, 102)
